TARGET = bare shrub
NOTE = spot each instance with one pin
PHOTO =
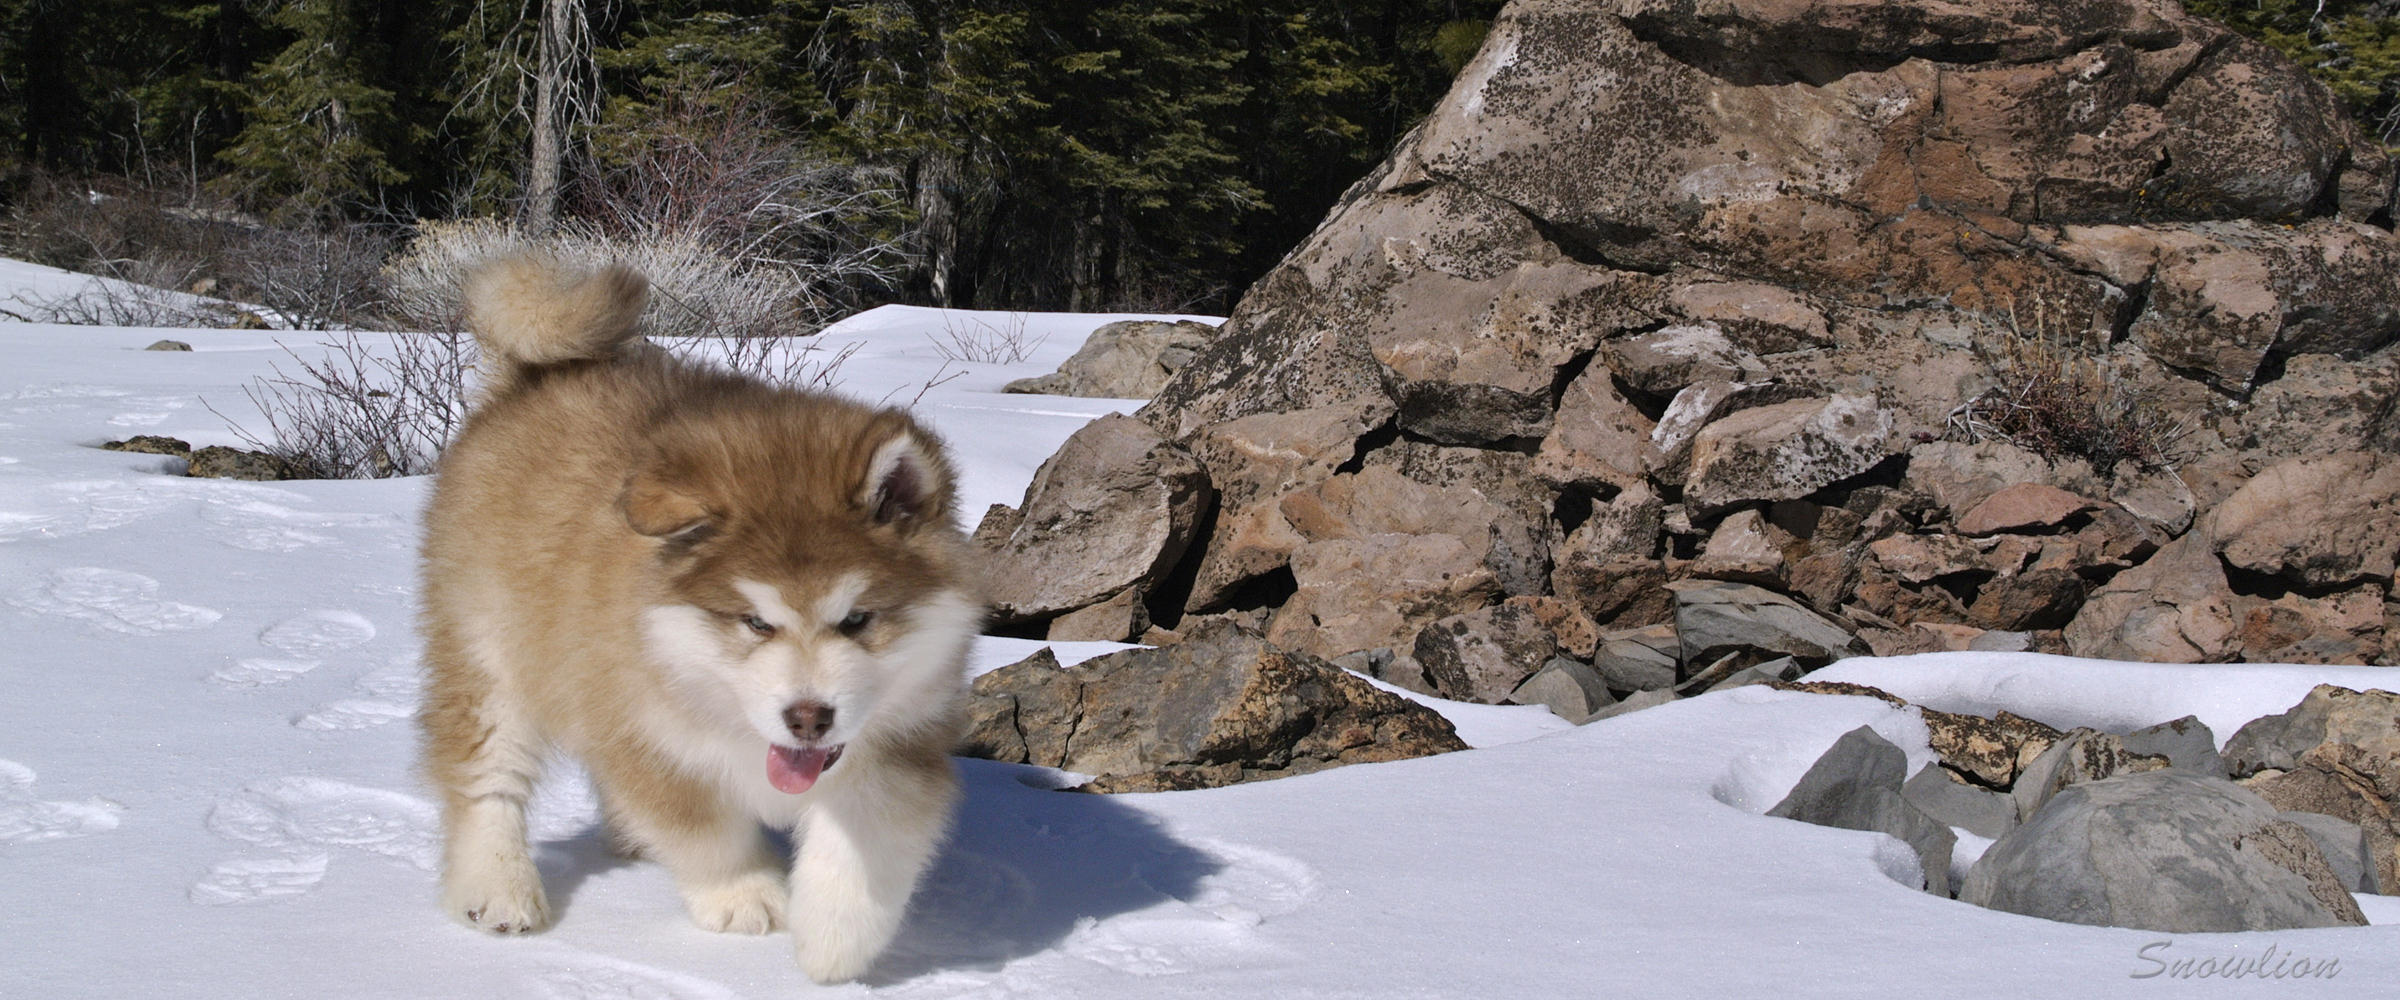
(164, 248)
(999, 339)
(316, 280)
(695, 291)
(2054, 398)
(707, 161)
(360, 410)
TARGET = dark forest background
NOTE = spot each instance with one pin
(1056, 154)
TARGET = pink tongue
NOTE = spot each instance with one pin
(793, 771)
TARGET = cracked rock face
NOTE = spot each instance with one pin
(1221, 707)
(1667, 290)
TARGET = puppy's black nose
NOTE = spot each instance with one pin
(808, 720)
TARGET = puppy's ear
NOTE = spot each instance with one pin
(905, 483)
(654, 507)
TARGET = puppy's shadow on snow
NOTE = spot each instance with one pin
(1025, 866)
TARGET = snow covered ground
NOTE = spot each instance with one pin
(206, 784)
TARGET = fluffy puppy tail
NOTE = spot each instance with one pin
(531, 310)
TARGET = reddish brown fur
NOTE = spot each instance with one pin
(603, 478)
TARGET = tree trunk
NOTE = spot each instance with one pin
(549, 142)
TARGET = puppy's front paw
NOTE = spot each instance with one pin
(835, 942)
(504, 899)
(831, 958)
(750, 904)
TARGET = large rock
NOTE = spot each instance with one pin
(1219, 707)
(1856, 785)
(1712, 619)
(2320, 522)
(1129, 359)
(2337, 752)
(1786, 450)
(1793, 257)
(2368, 720)
(1113, 510)
(1484, 655)
(2176, 607)
(2163, 851)
(1938, 793)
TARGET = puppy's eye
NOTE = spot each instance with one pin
(855, 622)
(764, 628)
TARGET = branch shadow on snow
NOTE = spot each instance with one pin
(1025, 866)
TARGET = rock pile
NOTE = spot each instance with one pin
(1223, 706)
(2141, 829)
(1997, 324)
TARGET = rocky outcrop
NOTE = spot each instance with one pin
(1129, 359)
(1219, 707)
(1988, 324)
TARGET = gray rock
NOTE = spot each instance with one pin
(2186, 743)
(2345, 847)
(1643, 659)
(1856, 786)
(1980, 811)
(168, 345)
(1113, 510)
(1219, 707)
(1634, 702)
(1568, 688)
(2164, 851)
(2329, 714)
(1712, 617)
(2081, 755)
(1777, 670)
(1131, 359)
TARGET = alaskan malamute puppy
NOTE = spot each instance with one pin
(732, 602)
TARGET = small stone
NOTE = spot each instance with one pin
(168, 345)
(1980, 811)
(1114, 620)
(151, 444)
(1568, 688)
(2186, 743)
(1856, 785)
(1634, 702)
(2081, 755)
(1642, 659)
(2020, 507)
(1711, 617)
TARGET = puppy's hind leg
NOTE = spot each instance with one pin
(867, 837)
(484, 756)
(731, 881)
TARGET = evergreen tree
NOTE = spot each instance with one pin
(319, 130)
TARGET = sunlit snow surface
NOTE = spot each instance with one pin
(207, 785)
